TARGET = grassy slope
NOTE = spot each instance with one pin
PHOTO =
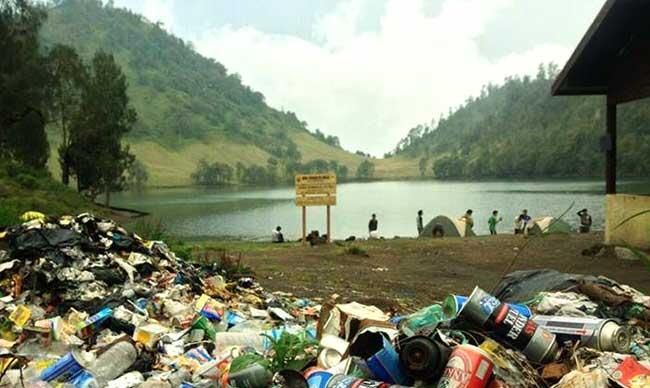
(26, 191)
(92, 28)
(173, 167)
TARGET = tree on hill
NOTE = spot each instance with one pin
(67, 76)
(23, 81)
(181, 97)
(98, 157)
(366, 170)
(519, 130)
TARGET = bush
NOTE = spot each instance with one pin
(27, 181)
(150, 228)
(9, 216)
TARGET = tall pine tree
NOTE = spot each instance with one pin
(97, 155)
(67, 76)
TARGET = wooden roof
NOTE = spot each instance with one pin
(619, 24)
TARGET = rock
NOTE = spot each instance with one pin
(623, 253)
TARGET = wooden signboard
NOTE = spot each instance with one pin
(315, 190)
(320, 200)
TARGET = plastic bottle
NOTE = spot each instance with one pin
(114, 361)
(227, 339)
(431, 315)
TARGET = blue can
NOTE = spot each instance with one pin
(83, 379)
(385, 366)
(64, 369)
(319, 379)
(453, 304)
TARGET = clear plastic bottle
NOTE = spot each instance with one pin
(113, 362)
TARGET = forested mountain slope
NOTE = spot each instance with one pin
(520, 130)
(189, 107)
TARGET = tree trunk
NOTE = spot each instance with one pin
(108, 196)
(65, 173)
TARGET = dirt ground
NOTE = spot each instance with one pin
(407, 273)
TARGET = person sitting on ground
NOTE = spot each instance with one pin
(493, 221)
(585, 221)
(467, 217)
(373, 224)
(276, 236)
(420, 222)
(522, 222)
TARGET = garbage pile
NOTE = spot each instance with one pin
(85, 303)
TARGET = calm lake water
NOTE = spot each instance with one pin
(251, 213)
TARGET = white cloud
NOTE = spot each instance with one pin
(159, 11)
(369, 88)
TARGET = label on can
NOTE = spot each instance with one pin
(513, 327)
(570, 325)
(468, 367)
(489, 304)
(342, 381)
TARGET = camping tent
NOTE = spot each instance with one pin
(452, 227)
(549, 225)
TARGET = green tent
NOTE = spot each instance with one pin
(549, 225)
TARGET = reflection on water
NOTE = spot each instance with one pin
(252, 213)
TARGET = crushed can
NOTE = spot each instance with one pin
(468, 367)
(509, 326)
(454, 303)
(65, 368)
(600, 334)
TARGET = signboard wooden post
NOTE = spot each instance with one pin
(315, 190)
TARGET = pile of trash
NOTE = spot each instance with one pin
(85, 303)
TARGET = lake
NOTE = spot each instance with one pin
(251, 213)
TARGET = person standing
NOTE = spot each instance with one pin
(420, 222)
(585, 221)
(467, 217)
(373, 224)
(493, 221)
(522, 222)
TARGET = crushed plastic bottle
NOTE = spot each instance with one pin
(113, 362)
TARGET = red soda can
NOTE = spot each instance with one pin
(468, 367)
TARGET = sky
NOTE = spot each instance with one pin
(369, 70)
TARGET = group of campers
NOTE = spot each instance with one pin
(522, 224)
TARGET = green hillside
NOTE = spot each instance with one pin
(520, 130)
(189, 107)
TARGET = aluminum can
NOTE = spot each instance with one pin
(317, 378)
(468, 367)
(346, 381)
(514, 329)
(66, 367)
(509, 326)
(600, 334)
(454, 303)
(479, 307)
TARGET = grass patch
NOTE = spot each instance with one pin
(355, 250)
(23, 189)
(150, 228)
